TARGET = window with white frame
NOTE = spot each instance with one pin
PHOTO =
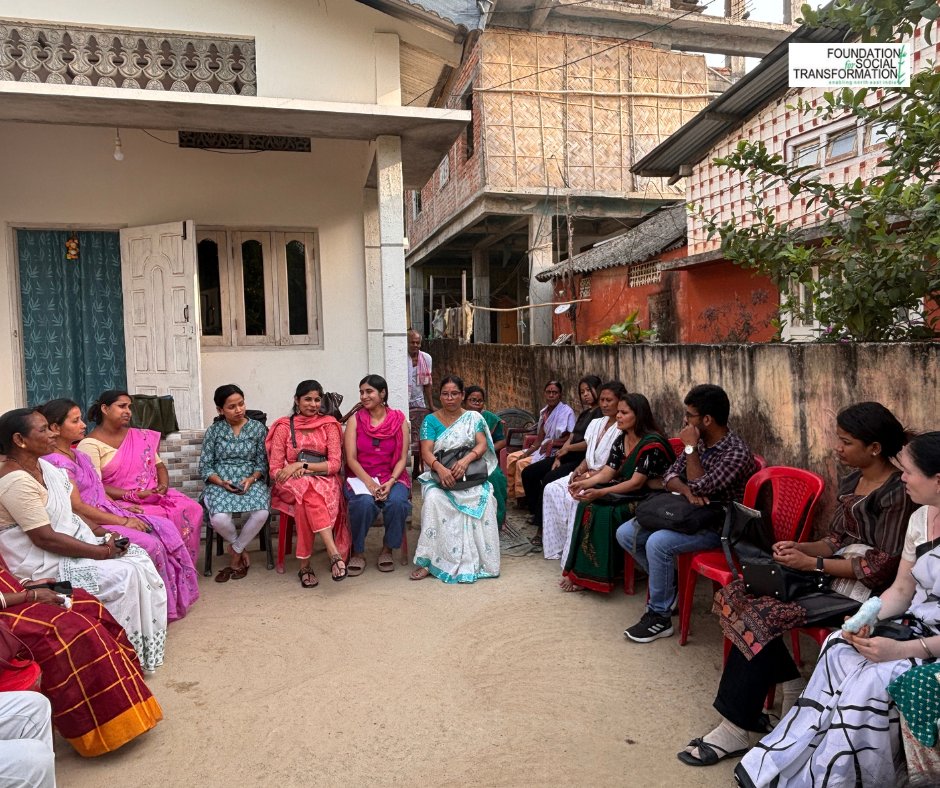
(800, 323)
(444, 172)
(877, 133)
(416, 203)
(258, 287)
(805, 154)
(842, 144)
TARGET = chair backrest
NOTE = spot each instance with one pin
(760, 463)
(678, 446)
(516, 418)
(795, 495)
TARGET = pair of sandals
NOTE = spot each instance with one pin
(231, 573)
(309, 580)
(357, 564)
(708, 754)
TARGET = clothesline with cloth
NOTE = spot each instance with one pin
(447, 322)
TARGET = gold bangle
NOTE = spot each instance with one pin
(930, 654)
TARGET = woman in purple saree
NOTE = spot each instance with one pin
(157, 535)
(132, 471)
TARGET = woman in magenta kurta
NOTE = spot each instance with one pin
(131, 469)
(157, 535)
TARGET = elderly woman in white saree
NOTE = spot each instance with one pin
(41, 538)
(459, 540)
(558, 504)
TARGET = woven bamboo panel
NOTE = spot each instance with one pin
(553, 114)
(551, 78)
(606, 62)
(580, 149)
(581, 177)
(530, 172)
(524, 77)
(608, 178)
(645, 64)
(523, 50)
(529, 142)
(492, 74)
(495, 47)
(500, 171)
(606, 104)
(499, 141)
(553, 143)
(525, 110)
(607, 150)
(579, 117)
(497, 109)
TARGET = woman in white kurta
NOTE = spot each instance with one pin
(459, 540)
(844, 730)
(41, 537)
(558, 505)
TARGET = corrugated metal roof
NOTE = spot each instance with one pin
(693, 141)
(657, 234)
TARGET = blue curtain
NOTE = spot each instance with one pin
(73, 315)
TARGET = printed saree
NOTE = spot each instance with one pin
(594, 557)
(90, 671)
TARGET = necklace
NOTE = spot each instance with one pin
(36, 473)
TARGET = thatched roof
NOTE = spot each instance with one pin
(662, 231)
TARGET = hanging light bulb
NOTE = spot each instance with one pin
(118, 150)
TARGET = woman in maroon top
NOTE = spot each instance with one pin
(376, 443)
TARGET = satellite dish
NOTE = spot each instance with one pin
(562, 308)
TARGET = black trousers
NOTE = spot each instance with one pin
(745, 683)
(538, 474)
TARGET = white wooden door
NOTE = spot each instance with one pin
(161, 315)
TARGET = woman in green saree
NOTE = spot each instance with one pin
(610, 497)
(475, 399)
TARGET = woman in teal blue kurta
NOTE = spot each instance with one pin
(234, 465)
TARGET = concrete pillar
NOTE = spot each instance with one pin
(416, 298)
(481, 294)
(391, 226)
(735, 65)
(540, 258)
(374, 321)
(660, 5)
(791, 11)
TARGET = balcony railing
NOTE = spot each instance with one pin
(138, 59)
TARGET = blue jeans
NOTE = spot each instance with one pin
(656, 551)
(363, 509)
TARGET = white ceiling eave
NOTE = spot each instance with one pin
(426, 133)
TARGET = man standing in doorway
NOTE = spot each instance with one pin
(420, 402)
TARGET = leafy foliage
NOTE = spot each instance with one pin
(628, 332)
(869, 268)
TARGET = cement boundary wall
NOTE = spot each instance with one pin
(784, 397)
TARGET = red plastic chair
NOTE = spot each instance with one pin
(795, 495)
(24, 675)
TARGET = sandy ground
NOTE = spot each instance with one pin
(377, 680)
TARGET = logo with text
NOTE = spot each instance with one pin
(850, 65)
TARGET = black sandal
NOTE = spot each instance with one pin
(335, 559)
(305, 575)
(707, 754)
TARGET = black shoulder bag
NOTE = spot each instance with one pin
(304, 455)
(476, 472)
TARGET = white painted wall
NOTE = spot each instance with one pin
(313, 49)
(58, 176)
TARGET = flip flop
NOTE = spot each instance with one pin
(356, 566)
(335, 559)
(417, 574)
(224, 575)
(307, 578)
(386, 563)
(707, 754)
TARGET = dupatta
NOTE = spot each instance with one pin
(134, 467)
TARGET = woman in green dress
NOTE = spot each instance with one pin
(475, 399)
(640, 454)
(234, 465)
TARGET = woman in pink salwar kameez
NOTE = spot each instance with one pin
(157, 535)
(131, 469)
(306, 486)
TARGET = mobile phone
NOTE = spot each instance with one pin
(63, 587)
(121, 542)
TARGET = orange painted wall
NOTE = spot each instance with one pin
(723, 303)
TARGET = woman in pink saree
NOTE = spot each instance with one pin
(305, 457)
(157, 535)
(130, 468)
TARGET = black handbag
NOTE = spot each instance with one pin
(765, 577)
(476, 472)
(618, 499)
(305, 455)
(673, 512)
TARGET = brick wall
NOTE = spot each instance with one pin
(722, 193)
(784, 397)
(180, 453)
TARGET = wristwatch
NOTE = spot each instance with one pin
(306, 467)
(819, 565)
(689, 448)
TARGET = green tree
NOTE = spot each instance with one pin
(869, 268)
